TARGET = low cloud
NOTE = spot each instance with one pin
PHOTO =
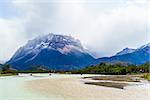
(104, 27)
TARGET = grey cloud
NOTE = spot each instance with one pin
(103, 26)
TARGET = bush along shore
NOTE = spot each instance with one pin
(116, 69)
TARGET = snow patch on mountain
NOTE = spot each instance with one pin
(125, 51)
(62, 43)
(145, 48)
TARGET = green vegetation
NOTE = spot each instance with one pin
(108, 84)
(102, 68)
(117, 69)
(146, 76)
(117, 74)
(6, 70)
(8, 74)
(36, 69)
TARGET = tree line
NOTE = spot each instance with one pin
(116, 69)
(102, 68)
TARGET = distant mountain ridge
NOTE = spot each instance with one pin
(125, 51)
(132, 56)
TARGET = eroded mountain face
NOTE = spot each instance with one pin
(53, 51)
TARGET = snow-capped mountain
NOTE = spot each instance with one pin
(53, 51)
(145, 48)
(125, 51)
(61, 43)
(132, 56)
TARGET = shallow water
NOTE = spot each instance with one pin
(12, 87)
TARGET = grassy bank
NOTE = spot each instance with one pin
(8, 74)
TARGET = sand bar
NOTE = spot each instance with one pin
(71, 87)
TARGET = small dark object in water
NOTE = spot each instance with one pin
(49, 74)
(30, 74)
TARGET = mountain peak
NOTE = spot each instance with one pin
(130, 50)
(54, 41)
(144, 46)
(125, 51)
(62, 43)
(52, 50)
(132, 56)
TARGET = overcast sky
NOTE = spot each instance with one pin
(103, 26)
